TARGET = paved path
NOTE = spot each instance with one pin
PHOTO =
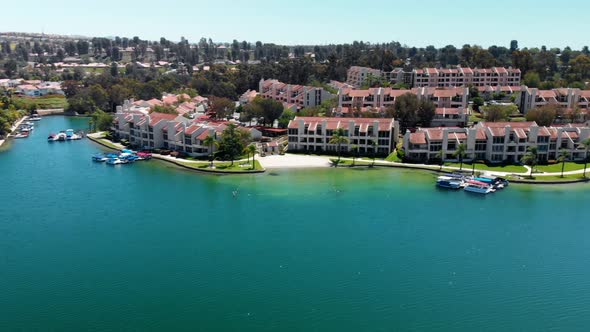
(491, 172)
(16, 124)
(294, 161)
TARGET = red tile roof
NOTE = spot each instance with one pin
(418, 138)
(157, 117)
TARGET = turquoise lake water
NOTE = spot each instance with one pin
(147, 247)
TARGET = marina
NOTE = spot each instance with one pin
(481, 184)
(124, 157)
(66, 135)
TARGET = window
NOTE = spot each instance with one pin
(499, 140)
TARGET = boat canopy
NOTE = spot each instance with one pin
(484, 180)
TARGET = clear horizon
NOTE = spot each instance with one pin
(531, 23)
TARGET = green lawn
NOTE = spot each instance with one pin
(556, 168)
(43, 102)
(541, 178)
(393, 157)
(475, 117)
(238, 167)
(357, 162)
(108, 143)
(491, 168)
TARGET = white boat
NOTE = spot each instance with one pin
(116, 161)
(100, 158)
(24, 134)
(60, 137)
(34, 118)
(449, 182)
(478, 187)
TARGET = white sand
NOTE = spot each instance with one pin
(293, 161)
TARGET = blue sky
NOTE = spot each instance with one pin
(412, 22)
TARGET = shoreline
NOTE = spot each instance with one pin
(178, 163)
(13, 128)
(297, 161)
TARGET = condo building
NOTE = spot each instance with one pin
(293, 96)
(356, 76)
(313, 134)
(151, 130)
(497, 142)
(568, 98)
(435, 77)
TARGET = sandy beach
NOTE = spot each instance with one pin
(293, 161)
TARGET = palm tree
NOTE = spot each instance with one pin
(530, 158)
(561, 158)
(210, 141)
(440, 155)
(373, 145)
(251, 149)
(586, 144)
(460, 153)
(354, 148)
(338, 138)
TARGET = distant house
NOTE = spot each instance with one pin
(28, 90)
(248, 96)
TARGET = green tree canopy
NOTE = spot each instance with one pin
(497, 113)
(543, 116)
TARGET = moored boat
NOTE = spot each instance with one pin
(116, 161)
(478, 187)
(23, 134)
(449, 182)
(99, 157)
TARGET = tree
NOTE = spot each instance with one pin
(440, 155)
(405, 108)
(285, 118)
(251, 149)
(532, 79)
(513, 45)
(270, 110)
(460, 153)
(373, 145)
(562, 157)
(114, 69)
(10, 68)
(355, 149)
(586, 144)
(223, 107)
(166, 109)
(425, 112)
(101, 121)
(530, 158)
(231, 144)
(477, 103)
(496, 113)
(543, 116)
(338, 138)
(210, 141)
